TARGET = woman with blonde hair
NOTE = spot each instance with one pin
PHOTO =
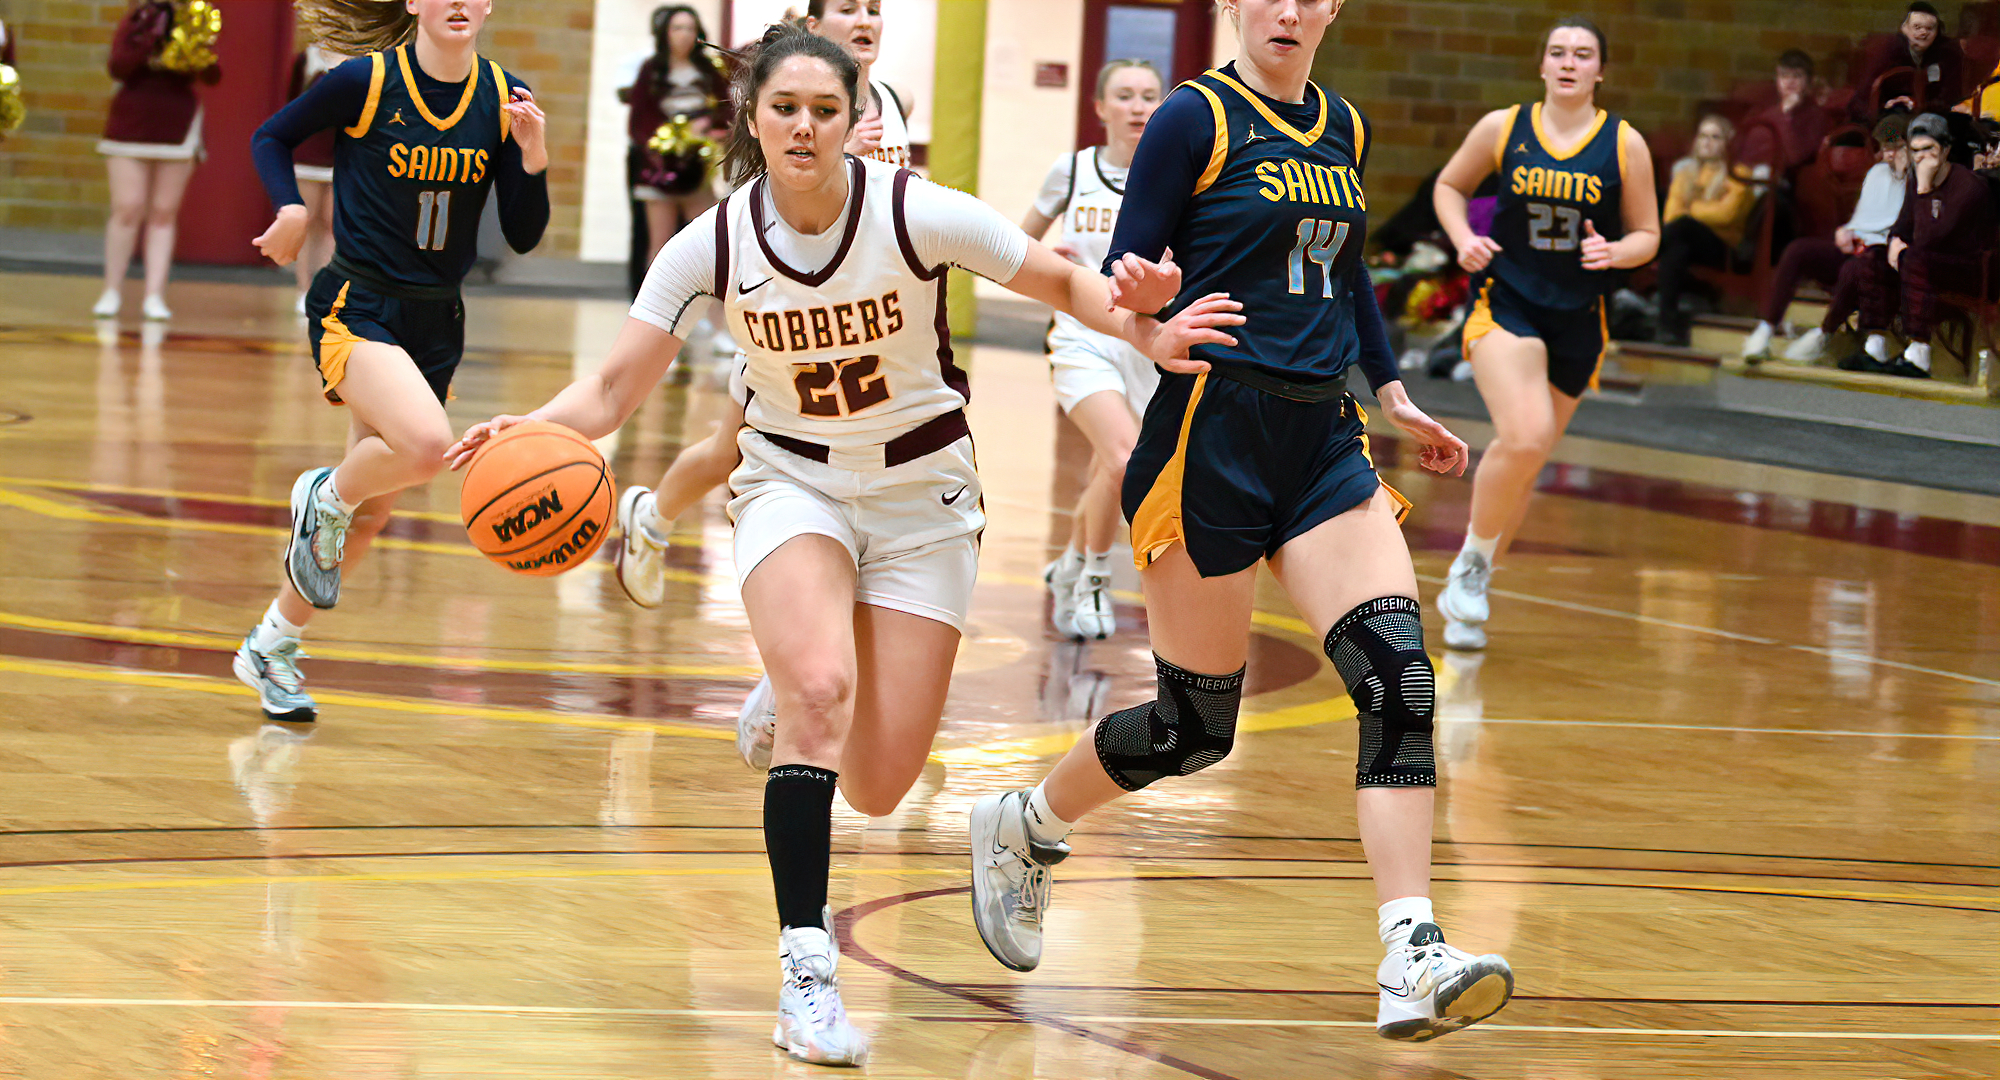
(1707, 211)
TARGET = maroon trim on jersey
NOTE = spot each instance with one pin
(858, 181)
(954, 376)
(722, 248)
(896, 197)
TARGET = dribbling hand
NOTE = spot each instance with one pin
(460, 453)
(1197, 324)
(1596, 249)
(1443, 452)
(1142, 286)
(282, 242)
(1477, 253)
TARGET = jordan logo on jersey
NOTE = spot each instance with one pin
(1254, 137)
(398, 118)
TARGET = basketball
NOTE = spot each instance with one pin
(537, 499)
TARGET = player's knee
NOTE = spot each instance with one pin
(1112, 468)
(1536, 438)
(820, 698)
(425, 451)
(874, 800)
(128, 212)
(159, 217)
(1190, 726)
(1379, 651)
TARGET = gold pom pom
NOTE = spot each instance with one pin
(677, 138)
(12, 109)
(190, 45)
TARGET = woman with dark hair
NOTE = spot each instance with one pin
(426, 130)
(1102, 384)
(1253, 451)
(857, 508)
(680, 81)
(152, 140)
(1576, 202)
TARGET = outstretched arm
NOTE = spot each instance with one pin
(1079, 292)
(599, 403)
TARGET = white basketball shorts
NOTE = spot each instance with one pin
(913, 530)
(1084, 362)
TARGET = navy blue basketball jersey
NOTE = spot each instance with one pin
(1546, 196)
(411, 176)
(1277, 219)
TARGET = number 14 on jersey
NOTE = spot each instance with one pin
(1320, 242)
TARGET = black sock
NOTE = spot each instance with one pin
(798, 839)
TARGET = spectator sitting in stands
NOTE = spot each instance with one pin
(1944, 231)
(1922, 44)
(1706, 211)
(1802, 125)
(1836, 262)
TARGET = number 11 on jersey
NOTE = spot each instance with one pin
(433, 219)
(1320, 241)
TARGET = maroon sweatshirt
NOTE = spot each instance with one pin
(1941, 69)
(151, 106)
(1955, 220)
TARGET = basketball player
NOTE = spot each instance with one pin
(1101, 383)
(1567, 216)
(426, 128)
(646, 516)
(857, 508)
(1253, 175)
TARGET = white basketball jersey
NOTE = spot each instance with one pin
(1094, 202)
(895, 148)
(851, 354)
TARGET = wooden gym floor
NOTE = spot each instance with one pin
(1723, 790)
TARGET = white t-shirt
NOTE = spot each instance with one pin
(1880, 205)
(855, 351)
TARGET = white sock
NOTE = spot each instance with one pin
(1395, 920)
(1919, 353)
(1877, 346)
(1486, 546)
(274, 629)
(330, 495)
(650, 519)
(1043, 824)
(1097, 564)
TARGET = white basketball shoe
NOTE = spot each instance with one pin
(812, 1023)
(642, 555)
(1061, 577)
(1430, 989)
(1011, 878)
(1091, 612)
(1463, 601)
(757, 726)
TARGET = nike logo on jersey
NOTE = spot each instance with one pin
(743, 290)
(950, 499)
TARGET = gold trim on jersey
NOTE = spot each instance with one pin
(1623, 127)
(1541, 136)
(410, 83)
(1303, 139)
(1360, 133)
(1506, 133)
(375, 79)
(1157, 525)
(506, 118)
(1218, 154)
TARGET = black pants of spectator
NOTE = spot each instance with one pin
(637, 261)
(1810, 258)
(1911, 288)
(1684, 244)
(1846, 298)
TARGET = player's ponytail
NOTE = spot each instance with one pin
(357, 27)
(743, 158)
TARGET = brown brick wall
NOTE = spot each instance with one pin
(51, 177)
(1425, 70)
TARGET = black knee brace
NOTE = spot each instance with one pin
(1379, 649)
(1190, 726)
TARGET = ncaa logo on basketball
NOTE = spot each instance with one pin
(528, 515)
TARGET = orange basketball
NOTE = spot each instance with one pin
(537, 499)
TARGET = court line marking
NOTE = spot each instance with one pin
(203, 496)
(1730, 730)
(199, 639)
(764, 1014)
(229, 688)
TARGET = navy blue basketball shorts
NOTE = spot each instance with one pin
(342, 312)
(1236, 473)
(1575, 337)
